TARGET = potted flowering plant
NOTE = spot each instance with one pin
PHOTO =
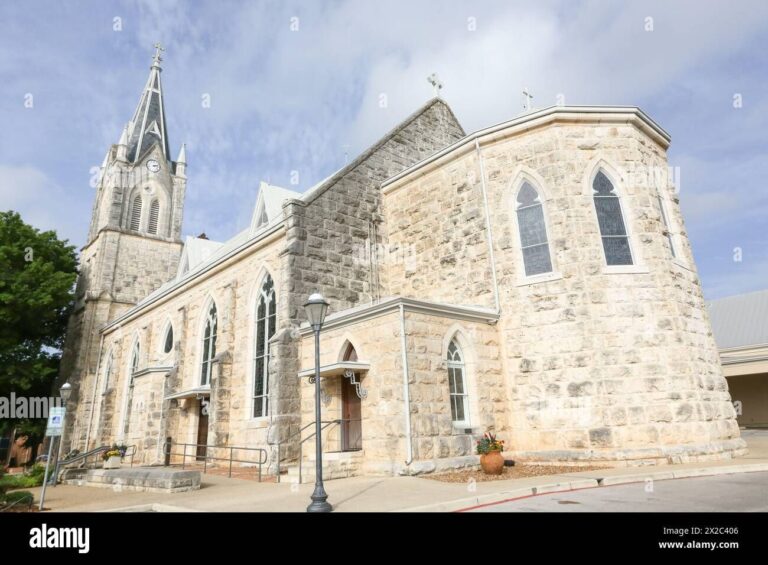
(114, 456)
(489, 448)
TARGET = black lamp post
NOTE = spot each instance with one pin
(316, 308)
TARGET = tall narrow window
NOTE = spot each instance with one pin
(533, 232)
(611, 221)
(209, 346)
(108, 368)
(135, 360)
(168, 343)
(133, 369)
(457, 385)
(154, 215)
(665, 225)
(136, 213)
(266, 316)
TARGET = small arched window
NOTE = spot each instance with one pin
(209, 345)
(136, 213)
(533, 231)
(168, 341)
(611, 221)
(266, 318)
(154, 216)
(457, 385)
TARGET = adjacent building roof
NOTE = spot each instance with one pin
(741, 320)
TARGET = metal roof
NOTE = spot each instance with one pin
(741, 320)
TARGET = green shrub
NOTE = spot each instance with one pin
(32, 478)
(22, 497)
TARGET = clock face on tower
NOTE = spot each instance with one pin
(153, 166)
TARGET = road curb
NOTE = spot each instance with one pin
(580, 483)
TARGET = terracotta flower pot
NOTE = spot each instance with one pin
(492, 463)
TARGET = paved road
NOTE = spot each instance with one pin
(746, 492)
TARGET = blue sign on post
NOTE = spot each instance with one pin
(55, 421)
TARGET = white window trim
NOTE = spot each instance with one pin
(259, 421)
(197, 374)
(466, 422)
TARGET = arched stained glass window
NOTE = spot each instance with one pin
(209, 345)
(266, 318)
(611, 221)
(533, 231)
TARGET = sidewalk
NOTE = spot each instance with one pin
(370, 494)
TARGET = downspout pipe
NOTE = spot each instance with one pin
(406, 388)
(488, 230)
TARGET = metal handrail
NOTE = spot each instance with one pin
(83, 457)
(324, 424)
(168, 453)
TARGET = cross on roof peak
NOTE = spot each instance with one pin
(157, 58)
(436, 83)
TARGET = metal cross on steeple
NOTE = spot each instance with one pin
(528, 97)
(436, 83)
(157, 58)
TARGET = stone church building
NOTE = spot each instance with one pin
(533, 278)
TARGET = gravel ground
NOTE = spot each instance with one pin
(519, 471)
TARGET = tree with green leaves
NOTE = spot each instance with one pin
(37, 276)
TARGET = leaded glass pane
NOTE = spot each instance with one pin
(601, 185)
(527, 195)
(532, 228)
(537, 260)
(609, 216)
(617, 251)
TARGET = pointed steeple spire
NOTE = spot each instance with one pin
(148, 126)
(181, 161)
(122, 145)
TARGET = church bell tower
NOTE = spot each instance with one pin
(134, 242)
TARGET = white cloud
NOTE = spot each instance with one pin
(40, 201)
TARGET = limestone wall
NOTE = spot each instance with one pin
(233, 289)
(600, 363)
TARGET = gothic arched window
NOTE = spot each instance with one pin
(168, 342)
(108, 369)
(154, 216)
(209, 345)
(135, 360)
(533, 231)
(136, 213)
(611, 221)
(266, 317)
(457, 385)
(133, 368)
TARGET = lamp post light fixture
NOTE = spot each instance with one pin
(65, 392)
(316, 308)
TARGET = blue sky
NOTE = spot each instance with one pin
(287, 100)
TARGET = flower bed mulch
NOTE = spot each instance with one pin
(519, 471)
